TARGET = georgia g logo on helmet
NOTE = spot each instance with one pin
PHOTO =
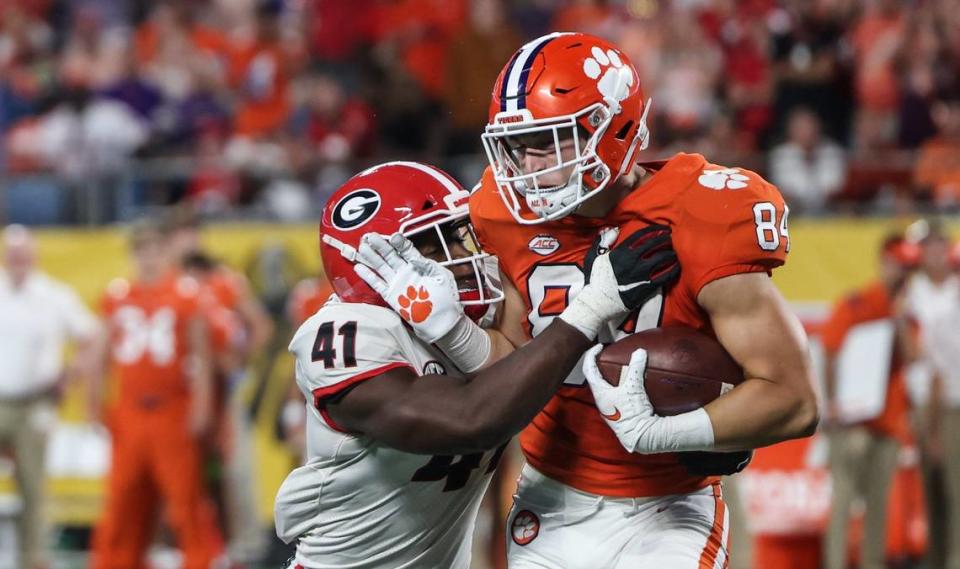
(355, 209)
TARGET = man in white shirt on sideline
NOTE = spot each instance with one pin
(37, 316)
(934, 291)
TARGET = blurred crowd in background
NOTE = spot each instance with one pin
(261, 107)
(110, 109)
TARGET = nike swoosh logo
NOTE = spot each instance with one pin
(625, 288)
(615, 416)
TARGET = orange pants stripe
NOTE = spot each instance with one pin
(708, 557)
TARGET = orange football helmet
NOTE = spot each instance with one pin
(562, 86)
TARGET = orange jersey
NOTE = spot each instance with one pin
(227, 286)
(724, 222)
(307, 298)
(872, 303)
(224, 328)
(223, 290)
(148, 332)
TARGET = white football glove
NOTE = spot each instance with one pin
(629, 413)
(420, 290)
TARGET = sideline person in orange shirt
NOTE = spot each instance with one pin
(156, 341)
(863, 455)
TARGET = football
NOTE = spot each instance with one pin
(686, 369)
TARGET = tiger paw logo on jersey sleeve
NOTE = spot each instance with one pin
(726, 179)
(614, 79)
(525, 527)
(415, 305)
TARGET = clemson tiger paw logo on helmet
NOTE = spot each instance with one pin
(415, 305)
(726, 179)
(614, 79)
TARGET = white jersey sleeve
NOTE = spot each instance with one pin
(344, 344)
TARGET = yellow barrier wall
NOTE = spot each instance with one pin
(829, 257)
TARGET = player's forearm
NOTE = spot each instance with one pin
(755, 325)
(441, 416)
(509, 393)
(759, 412)
(199, 375)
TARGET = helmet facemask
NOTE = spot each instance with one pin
(505, 153)
(479, 285)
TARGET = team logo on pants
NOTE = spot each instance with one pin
(525, 527)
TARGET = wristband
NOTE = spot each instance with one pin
(467, 345)
(679, 433)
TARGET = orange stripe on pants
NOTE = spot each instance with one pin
(708, 557)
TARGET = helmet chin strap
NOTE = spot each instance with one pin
(642, 138)
(556, 201)
(348, 252)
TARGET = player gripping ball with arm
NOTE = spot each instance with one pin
(607, 482)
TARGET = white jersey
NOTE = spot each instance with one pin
(356, 503)
(927, 301)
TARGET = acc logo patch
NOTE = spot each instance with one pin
(544, 244)
(355, 209)
(525, 527)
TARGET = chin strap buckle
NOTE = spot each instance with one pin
(348, 252)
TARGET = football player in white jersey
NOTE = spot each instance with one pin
(401, 441)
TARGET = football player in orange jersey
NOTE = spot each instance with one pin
(607, 482)
(157, 343)
(231, 290)
(229, 286)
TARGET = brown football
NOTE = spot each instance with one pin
(686, 369)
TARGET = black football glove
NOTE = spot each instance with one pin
(642, 264)
(703, 463)
(621, 279)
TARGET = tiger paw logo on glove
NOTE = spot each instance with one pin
(415, 306)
